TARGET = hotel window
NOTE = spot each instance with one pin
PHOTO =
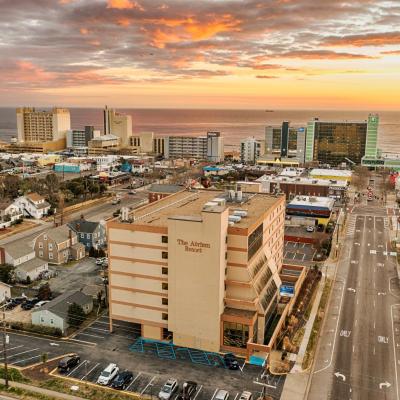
(164, 301)
(164, 254)
(164, 239)
(164, 286)
(50, 256)
(50, 246)
(164, 271)
(40, 253)
(165, 316)
(235, 335)
(44, 237)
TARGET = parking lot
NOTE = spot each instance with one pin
(299, 252)
(149, 371)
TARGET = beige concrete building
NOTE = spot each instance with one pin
(42, 126)
(201, 268)
(119, 125)
(147, 142)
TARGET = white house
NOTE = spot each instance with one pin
(9, 213)
(55, 313)
(32, 205)
(21, 256)
(5, 292)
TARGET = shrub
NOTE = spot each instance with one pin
(42, 330)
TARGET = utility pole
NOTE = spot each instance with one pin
(5, 342)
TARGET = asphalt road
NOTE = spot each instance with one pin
(358, 353)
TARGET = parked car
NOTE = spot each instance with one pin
(246, 396)
(69, 362)
(105, 263)
(122, 380)
(99, 260)
(231, 361)
(310, 228)
(132, 192)
(116, 213)
(29, 304)
(222, 395)
(116, 201)
(10, 305)
(107, 376)
(188, 391)
(169, 388)
(41, 303)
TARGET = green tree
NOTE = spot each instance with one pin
(11, 185)
(6, 273)
(76, 315)
(103, 188)
(44, 292)
(93, 188)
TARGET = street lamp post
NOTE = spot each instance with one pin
(5, 342)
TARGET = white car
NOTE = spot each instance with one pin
(246, 396)
(168, 389)
(107, 376)
(222, 395)
(310, 228)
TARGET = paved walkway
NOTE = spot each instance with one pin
(46, 392)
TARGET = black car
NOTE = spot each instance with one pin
(122, 380)
(68, 362)
(188, 391)
(231, 361)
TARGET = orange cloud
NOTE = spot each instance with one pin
(123, 21)
(124, 5)
(84, 31)
(371, 39)
(321, 55)
(266, 77)
(391, 52)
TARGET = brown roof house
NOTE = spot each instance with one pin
(59, 245)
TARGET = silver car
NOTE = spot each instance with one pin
(168, 389)
(222, 395)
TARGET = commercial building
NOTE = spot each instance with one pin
(78, 139)
(334, 143)
(119, 125)
(250, 150)
(147, 142)
(331, 174)
(286, 141)
(212, 254)
(37, 127)
(104, 144)
(208, 147)
(310, 206)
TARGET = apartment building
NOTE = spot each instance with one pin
(251, 149)
(200, 267)
(78, 139)
(43, 126)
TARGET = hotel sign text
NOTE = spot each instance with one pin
(193, 246)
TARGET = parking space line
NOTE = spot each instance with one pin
(236, 396)
(133, 381)
(79, 365)
(151, 381)
(85, 376)
(243, 365)
(212, 398)
(201, 387)
(22, 352)
(16, 347)
(26, 359)
(97, 329)
(91, 335)
(136, 378)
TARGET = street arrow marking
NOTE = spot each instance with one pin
(341, 376)
(357, 244)
(381, 293)
(384, 384)
(351, 289)
(372, 251)
(54, 344)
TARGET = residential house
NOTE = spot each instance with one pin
(22, 257)
(9, 213)
(33, 205)
(5, 292)
(55, 313)
(90, 234)
(59, 245)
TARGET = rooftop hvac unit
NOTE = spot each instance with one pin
(239, 195)
(219, 201)
(240, 213)
(231, 223)
(234, 218)
(231, 195)
(314, 181)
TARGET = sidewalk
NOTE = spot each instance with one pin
(46, 392)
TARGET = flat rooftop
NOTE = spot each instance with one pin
(190, 204)
(331, 172)
(312, 201)
(302, 180)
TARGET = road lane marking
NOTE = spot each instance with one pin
(136, 377)
(26, 359)
(384, 384)
(236, 396)
(91, 335)
(212, 398)
(341, 376)
(16, 347)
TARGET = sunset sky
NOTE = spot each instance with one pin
(324, 54)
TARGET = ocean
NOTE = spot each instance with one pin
(233, 124)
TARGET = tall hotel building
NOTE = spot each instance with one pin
(119, 125)
(43, 127)
(336, 142)
(202, 268)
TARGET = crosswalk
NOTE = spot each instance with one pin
(351, 225)
(386, 222)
